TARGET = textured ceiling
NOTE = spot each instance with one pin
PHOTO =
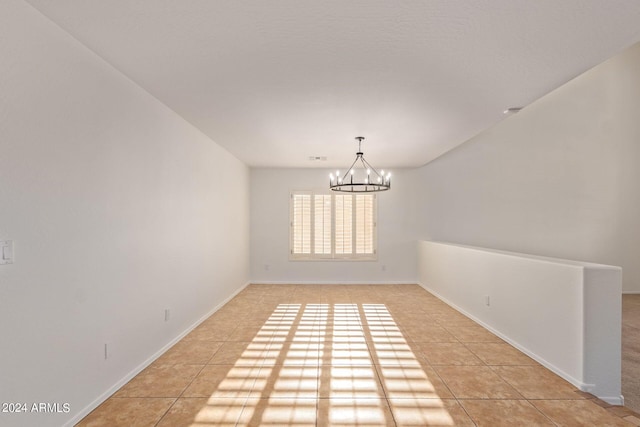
(278, 81)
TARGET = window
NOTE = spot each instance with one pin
(333, 226)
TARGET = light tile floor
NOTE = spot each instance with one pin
(287, 355)
(631, 351)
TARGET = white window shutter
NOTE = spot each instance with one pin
(301, 224)
(364, 224)
(332, 226)
(344, 222)
(322, 224)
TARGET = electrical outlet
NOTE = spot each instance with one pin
(167, 314)
(106, 351)
(487, 300)
(6, 251)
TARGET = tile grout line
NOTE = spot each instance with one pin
(366, 330)
(192, 379)
(619, 413)
(447, 385)
(285, 348)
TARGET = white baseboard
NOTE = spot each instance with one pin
(630, 292)
(104, 396)
(331, 282)
(613, 400)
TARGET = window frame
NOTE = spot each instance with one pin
(332, 256)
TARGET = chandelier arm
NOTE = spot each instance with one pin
(364, 163)
(367, 165)
(344, 177)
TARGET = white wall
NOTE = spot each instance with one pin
(270, 189)
(118, 210)
(560, 178)
(564, 314)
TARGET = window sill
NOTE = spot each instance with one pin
(353, 259)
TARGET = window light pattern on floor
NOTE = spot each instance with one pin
(287, 355)
(337, 355)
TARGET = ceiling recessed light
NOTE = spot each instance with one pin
(512, 110)
(318, 158)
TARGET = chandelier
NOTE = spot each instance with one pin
(361, 177)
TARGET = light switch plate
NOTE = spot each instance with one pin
(6, 251)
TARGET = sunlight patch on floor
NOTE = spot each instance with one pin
(326, 364)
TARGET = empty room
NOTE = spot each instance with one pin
(319, 213)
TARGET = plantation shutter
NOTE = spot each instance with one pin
(365, 223)
(344, 223)
(301, 224)
(332, 226)
(322, 224)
